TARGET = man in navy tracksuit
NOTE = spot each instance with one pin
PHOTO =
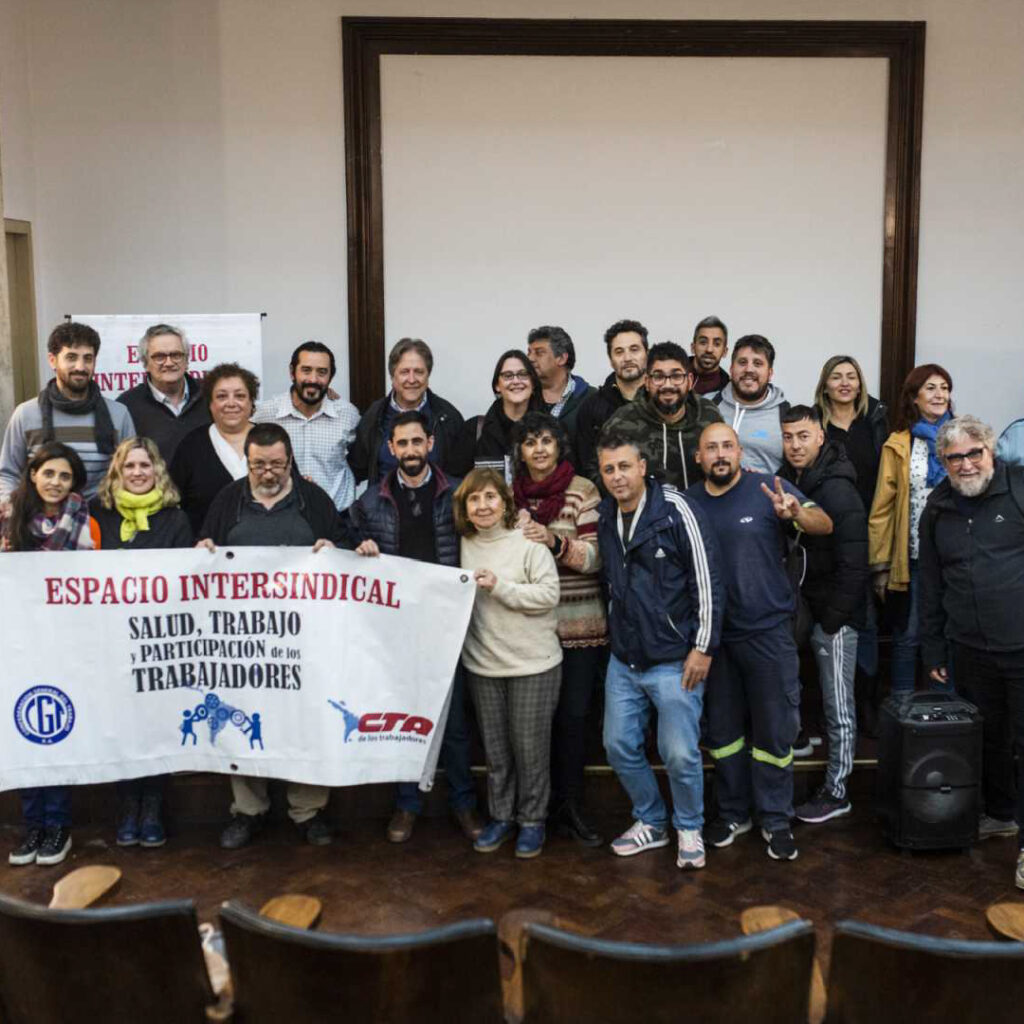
(665, 616)
(755, 677)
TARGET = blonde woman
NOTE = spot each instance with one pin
(513, 658)
(136, 506)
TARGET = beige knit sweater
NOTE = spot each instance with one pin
(514, 628)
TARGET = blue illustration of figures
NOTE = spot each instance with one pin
(351, 720)
(255, 730)
(217, 715)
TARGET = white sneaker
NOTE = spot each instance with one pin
(691, 848)
(638, 838)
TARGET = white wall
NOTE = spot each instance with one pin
(189, 154)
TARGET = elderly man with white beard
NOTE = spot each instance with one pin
(972, 591)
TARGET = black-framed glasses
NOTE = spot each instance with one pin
(676, 377)
(956, 459)
(277, 466)
(168, 357)
(510, 375)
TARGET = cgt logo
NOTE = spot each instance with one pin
(393, 724)
(44, 715)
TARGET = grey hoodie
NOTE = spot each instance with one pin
(758, 427)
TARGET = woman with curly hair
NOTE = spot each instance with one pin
(512, 657)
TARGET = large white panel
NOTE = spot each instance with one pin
(527, 190)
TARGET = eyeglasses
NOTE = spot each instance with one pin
(510, 375)
(168, 357)
(277, 466)
(676, 377)
(956, 459)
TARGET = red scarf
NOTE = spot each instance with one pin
(549, 493)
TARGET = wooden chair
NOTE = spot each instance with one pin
(280, 973)
(880, 975)
(133, 963)
(763, 977)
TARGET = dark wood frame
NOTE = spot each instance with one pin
(365, 40)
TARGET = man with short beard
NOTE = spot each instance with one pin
(321, 428)
(666, 418)
(409, 513)
(626, 342)
(971, 592)
(752, 405)
(70, 409)
(270, 506)
(754, 685)
(709, 347)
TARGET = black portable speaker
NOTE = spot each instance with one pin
(929, 770)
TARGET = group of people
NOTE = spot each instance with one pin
(678, 532)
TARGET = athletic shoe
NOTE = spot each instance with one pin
(1019, 876)
(241, 829)
(822, 806)
(55, 845)
(317, 830)
(989, 827)
(25, 852)
(691, 848)
(781, 845)
(151, 828)
(802, 746)
(720, 833)
(639, 838)
(530, 841)
(495, 834)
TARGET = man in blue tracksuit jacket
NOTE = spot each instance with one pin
(754, 686)
(665, 617)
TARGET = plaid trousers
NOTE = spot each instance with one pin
(515, 714)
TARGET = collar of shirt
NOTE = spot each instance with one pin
(165, 400)
(285, 407)
(570, 386)
(398, 408)
(282, 503)
(426, 479)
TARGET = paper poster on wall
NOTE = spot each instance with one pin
(212, 338)
(322, 668)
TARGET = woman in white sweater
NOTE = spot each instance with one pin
(513, 659)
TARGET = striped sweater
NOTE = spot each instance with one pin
(582, 621)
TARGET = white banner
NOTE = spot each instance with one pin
(212, 338)
(329, 668)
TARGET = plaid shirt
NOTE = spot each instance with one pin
(320, 443)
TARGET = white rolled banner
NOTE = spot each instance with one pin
(326, 668)
(212, 338)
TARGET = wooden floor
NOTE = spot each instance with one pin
(845, 870)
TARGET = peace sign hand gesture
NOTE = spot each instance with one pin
(785, 504)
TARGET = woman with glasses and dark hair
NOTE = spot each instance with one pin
(47, 512)
(558, 508)
(487, 440)
(860, 423)
(909, 470)
(512, 657)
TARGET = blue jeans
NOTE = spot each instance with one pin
(906, 643)
(630, 696)
(46, 806)
(454, 758)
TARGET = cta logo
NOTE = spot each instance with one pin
(44, 714)
(382, 724)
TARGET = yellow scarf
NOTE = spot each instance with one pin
(136, 509)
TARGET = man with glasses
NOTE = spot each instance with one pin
(666, 418)
(271, 506)
(166, 405)
(971, 594)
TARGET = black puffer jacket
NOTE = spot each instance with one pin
(363, 456)
(971, 587)
(835, 583)
(374, 516)
(597, 409)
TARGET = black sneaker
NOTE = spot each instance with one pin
(55, 845)
(25, 852)
(802, 746)
(781, 845)
(822, 806)
(241, 830)
(317, 831)
(721, 833)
